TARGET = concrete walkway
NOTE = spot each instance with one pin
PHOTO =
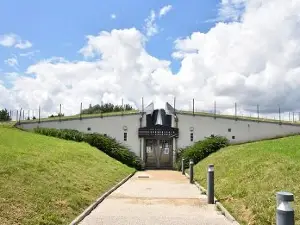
(156, 197)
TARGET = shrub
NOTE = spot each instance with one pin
(200, 150)
(107, 144)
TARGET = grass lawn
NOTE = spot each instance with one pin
(83, 116)
(248, 176)
(44, 180)
(239, 117)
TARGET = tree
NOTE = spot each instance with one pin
(106, 108)
(4, 115)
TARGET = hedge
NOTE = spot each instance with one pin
(107, 144)
(200, 150)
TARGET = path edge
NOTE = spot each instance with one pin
(90, 208)
(218, 204)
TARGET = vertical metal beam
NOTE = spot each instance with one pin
(293, 117)
(279, 114)
(257, 113)
(174, 105)
(215, 109)
(81, 111)
(122, 108)
(39, 114)
(235, 111)
(193, 107)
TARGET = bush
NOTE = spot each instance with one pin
(108, 145)
(200, 150)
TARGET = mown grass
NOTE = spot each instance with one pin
(239, 117)
(248, 176)
(82, 116)
(47, 181)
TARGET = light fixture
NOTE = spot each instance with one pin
(191, 129)
(125, 128)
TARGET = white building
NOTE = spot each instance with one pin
(156, 134)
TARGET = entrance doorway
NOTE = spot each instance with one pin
(159, 153)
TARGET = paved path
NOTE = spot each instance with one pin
(165, 198)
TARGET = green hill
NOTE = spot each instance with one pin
(248, 176)
(45, 180)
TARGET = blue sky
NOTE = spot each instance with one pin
(58, 28)
(252, 50)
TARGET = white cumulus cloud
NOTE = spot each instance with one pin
(13, 40)
(164, 10)
(253, 60)
(150, 24)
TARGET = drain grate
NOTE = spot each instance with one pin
(143, 176)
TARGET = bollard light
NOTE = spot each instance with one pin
(191, 171)
(285, 213)
(210, 184)
(182, 166)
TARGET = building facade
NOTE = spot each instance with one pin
(156, 134)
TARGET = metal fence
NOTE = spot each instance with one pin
(235, 110)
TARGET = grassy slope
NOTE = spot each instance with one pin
(248, 176)
(44, 180)
(240, 117)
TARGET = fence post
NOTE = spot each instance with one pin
(279, 114)
(284, 212)
(122, 108)
(210, 184)
(80, 111)
(191, 171)
(174, 105)
(257, 113)
(182, 166)
(215, 109)
(193, 107)
(39, 114)
(235, 110)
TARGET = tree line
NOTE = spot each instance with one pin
(106, 108)
(4, 115)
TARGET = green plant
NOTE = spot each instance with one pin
(4, 115)
(107, 144)
(200, 150)
(47, 181)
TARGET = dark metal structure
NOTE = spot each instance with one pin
(158, 137)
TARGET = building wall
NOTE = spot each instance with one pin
(110, 125)
(242, 130)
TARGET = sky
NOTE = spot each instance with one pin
(224, 51)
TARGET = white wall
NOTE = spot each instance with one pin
(110, 125)
(204, 126)
(243, 130)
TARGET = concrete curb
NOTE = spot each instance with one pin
(99, 200)
(218, 204)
